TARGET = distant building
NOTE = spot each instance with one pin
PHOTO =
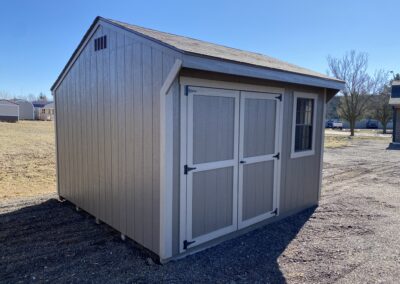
(44, 110)
(395, 102)
(9, 111)
(26, 109)
(38, 105)
(47, 112)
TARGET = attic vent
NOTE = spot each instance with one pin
(100, 43)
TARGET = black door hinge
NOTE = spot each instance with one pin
(277, 156)
(187, 169)
(279, 97)
(186, 244)
(275, 212)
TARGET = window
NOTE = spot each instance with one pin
(43, 111)
(304, 114)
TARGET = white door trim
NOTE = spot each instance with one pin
(229, 85)
(184, 179)
(187, 180)
(256, 159)
(212, 165)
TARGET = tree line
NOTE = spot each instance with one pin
(364, 94)
(30, 97)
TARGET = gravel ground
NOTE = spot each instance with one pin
(352, 237)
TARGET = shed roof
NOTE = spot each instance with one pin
(8, 102)
(21, 101)
(49, 105)
(39, 104)
(187, 44)
(199, 48)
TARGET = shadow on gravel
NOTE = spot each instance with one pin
(52, 242)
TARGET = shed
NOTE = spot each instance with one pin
(38, 105)
(179, 143)
(395, 102)
(47, 112)
(9, 111)
(26, 109)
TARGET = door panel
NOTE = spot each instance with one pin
(258, 149)
(212, 200)
(213, 128)
(212, 157)
(258, 182)
(259, 136)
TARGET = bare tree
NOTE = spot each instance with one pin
(31, 97)
(42, 97)
(4, 95)
(352, 68)
(382, 110)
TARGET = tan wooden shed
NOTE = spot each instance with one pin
(179, 143)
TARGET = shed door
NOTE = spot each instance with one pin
(212, 163)
(258, 157)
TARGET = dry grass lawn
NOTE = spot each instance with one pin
(27, 159)
(340, 139)
(332, 141)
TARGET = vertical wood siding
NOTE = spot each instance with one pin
(299, 176)
(108, 133)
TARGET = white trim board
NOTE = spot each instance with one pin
(203, 91)
(229, 85)
(166, 162)
(322, 132)
(311, 152)
(261, 158)
(183, 160)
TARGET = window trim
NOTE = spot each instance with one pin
(314, 97)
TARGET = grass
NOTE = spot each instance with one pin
(27, 159)
(336, 141)
(339, 141)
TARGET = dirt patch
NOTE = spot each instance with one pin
(352, 237)
(27, 159)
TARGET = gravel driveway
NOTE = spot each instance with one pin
(352, 237)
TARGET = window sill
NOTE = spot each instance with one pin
(302, 154)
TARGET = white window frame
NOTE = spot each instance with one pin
(314, 97)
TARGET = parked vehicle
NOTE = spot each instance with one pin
(334, 124)
(372, 124)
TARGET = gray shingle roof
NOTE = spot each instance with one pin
(190, 45)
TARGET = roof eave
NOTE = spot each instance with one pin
(205, 63)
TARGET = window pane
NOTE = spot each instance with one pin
(304, 124)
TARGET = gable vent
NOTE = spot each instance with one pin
(100, 43)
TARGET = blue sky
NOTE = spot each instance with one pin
(38, 37)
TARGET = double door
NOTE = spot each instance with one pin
(231, 149)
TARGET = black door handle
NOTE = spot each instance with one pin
(243, 162)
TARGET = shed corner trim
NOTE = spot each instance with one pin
(166, 162)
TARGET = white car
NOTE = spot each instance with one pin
(337, 125)
(334, 124)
